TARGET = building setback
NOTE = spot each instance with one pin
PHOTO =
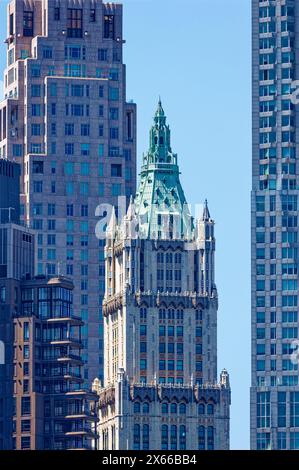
(161, 389)
(275, 387)
(66, 120)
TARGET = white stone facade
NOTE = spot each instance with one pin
(161, 388)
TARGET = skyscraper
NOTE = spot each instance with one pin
(66, 120)
(16, 263)
(160, 386)
(275, 190)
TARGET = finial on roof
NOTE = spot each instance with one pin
(160, 111)
(206, 212)
(112, 222)
(131, 208)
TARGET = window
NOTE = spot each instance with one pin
(164, 408)
(69, 149)
(35, 109)
(25, 406)
(182, 409)
(85, 130)
(47, 52)
(201, 409)
(56, 14)
(38, 168)
(25, 442)
(74, 22)
(136, 407)
(294, 409)
(35, 129)
(35, 71)
(69, 129)
(85, 149)
(182, 440)
(116, 189)
(35, 91)
(164, 437)
(37, 186)
(145, 408)
(201, 438)
(173, 408)
(263, 441)
(294, 438)
(113, 113)
(210, 435)
(136, 437)
(282, 409)
(114, 134)
(28, 23)
(109, 27)
(113, 94)
(25, 426)
(116, 170)
(92, 15)
(263, 409)
(145, 437)
(103, 55)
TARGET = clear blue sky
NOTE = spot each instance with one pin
(196, 55)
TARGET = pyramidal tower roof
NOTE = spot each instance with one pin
(160, 202)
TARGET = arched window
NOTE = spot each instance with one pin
(164, 437)
(201, 438)
(136, 407)
(173, 408)
(164, 408)
(173, 437)
(182, 409)
(183, 437)
(145, 437)
(136, 437)
(211, 437)
(210, 409)
(201, 409)
(145, 408)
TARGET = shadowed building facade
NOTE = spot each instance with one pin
(161, 389)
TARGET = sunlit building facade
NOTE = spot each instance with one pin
(161, 388)
(275, 190)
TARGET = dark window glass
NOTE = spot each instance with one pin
(92, 17)
(74, 22)
(56, 14)
(28, 23)
(109, 28)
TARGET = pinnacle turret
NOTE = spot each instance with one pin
(206, 213)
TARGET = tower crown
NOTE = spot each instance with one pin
(160, 201)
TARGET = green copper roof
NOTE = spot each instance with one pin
(160, 202)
